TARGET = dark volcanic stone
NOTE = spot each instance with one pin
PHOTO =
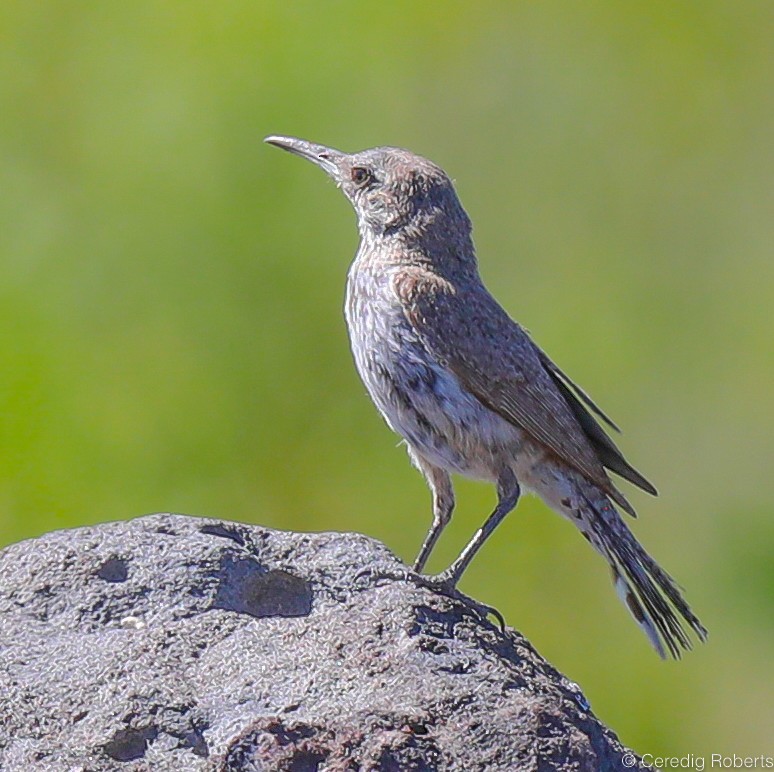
(176, 643)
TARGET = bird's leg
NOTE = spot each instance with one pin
(508, 492)
(440, 484)
(443, 503)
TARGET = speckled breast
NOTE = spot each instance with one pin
(418, 398)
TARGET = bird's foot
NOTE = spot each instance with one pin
(375, 577)
(443, 584)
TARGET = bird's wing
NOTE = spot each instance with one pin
(606, 450)
(495, 359)
(577, 392)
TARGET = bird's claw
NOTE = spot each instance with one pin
(375, 577)
(443, 583)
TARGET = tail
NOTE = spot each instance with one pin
(650, 594)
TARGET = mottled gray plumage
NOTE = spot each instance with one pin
(467, 388)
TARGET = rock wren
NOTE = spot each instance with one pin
(466, 387)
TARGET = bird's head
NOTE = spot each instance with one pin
(393, 191)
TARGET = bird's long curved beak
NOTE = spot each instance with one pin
(327, 158)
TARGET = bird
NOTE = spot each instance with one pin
(468, 389)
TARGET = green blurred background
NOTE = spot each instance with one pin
(171, 335)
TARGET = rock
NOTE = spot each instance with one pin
(178, 643)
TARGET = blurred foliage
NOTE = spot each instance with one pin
(171, 334)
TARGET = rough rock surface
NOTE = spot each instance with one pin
(177, 643)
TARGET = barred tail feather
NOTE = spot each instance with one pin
(640, 616)
(650, 594)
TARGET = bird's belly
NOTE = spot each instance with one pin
(423, 401)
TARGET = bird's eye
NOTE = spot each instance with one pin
(360, 176)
